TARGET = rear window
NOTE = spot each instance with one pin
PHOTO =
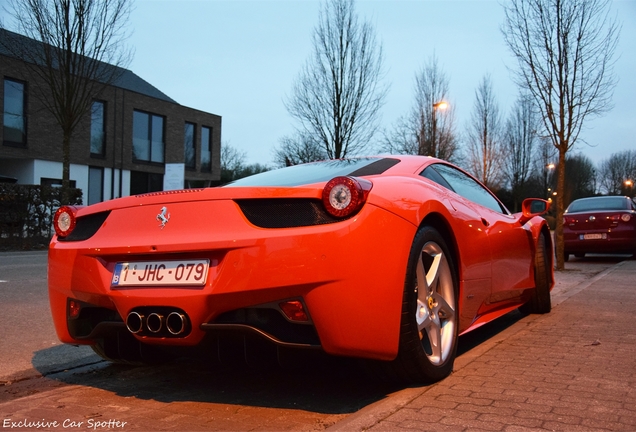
(600, 203)
(318, 172)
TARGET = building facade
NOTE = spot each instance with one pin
(122, 147)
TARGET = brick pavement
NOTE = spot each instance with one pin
(571, 370)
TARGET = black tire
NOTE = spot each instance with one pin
(566, 256)
(540, 302)
(429, 312)
(580, 255)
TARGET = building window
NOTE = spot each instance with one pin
(95, 185)
(45, 181)
(14, 129)
(206, 149)
(143, 182)
(148, 145)
(98, 128)
(190, 146)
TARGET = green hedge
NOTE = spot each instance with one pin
(26, 214)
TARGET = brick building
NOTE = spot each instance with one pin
(123, 145)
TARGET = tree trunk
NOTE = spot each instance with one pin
(66, 168)
(560, 261)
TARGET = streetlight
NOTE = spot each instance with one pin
(547, 172)
(629, 184)
(441, 105)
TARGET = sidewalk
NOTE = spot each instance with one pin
(571, 370)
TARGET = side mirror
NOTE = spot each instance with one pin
(532, 207)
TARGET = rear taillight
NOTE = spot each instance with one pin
(615, 219)
(294, 310)
(569, 220)
(344, 196)
(64, 220)
(74, 308)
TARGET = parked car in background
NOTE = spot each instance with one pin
(384, 258)
(605, 224)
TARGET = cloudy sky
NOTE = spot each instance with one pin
(238, 59)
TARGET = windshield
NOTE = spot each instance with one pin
(317, 172)
(600, 203)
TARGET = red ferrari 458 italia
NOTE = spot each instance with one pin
(386, 258)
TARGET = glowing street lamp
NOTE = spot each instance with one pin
(441, 105)
(629, 184)
(547, 173)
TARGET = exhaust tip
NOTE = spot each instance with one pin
(134, 322)
(176, 323)
(154, 322)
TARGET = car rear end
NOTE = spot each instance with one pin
(171, 267)
(600, 225)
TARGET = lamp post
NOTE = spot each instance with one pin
(436, 105)
(546, 174)
(628, 186)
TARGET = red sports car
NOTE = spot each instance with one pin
(387, 258)
(604, 224)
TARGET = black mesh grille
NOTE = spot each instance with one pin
(86, 227)
(285, 212)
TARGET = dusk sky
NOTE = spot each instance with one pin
(239, 58)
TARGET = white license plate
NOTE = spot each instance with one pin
(602, 236)
(161, 273)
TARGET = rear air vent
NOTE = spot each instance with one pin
(86, 227)
(285, 212)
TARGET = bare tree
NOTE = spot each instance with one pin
(615, 171)
(297, 149)
(234, 164)
(580, 178)
(429, 129)
(545, 165)
(233, 161)
(402, 139)
(564, 50)
(485, 150)
(80, 50)
(338, 94)
(520, 139)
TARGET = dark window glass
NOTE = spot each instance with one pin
(45, 181)
(190, 146)
(148, 144)
(315, 172)
(206, 149)
(98, 128)
(467, 187)
(95, 185)
(143, 182)
(599, 203)
(433, 175)
(14, 119)
(156, 138)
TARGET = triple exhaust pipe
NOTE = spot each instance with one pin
(176, 323)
